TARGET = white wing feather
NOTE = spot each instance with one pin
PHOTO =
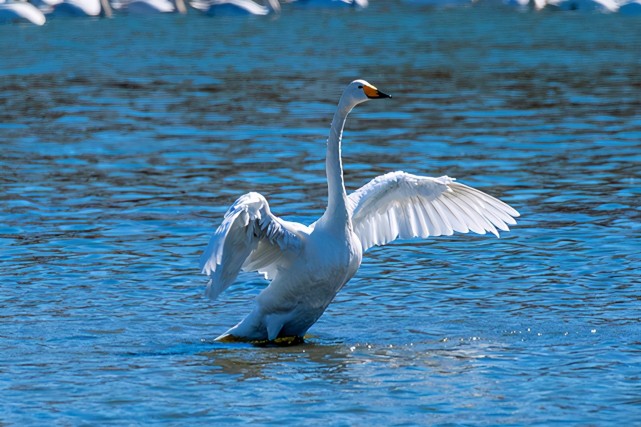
(401, 205)
(252, 238)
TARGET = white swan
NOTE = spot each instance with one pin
(152, 7)
(308, 265)
(18, 11)
(45, 6)
(82, 8)
(235, 7)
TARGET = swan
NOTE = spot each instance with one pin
(235, 7)
(152, 7)
(18, 11)
(82, 8)
(308, 265)
(360, 4)
(45, 6)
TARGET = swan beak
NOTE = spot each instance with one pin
(372, 93)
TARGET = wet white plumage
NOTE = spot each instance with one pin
(236, 7)
(308, 265)
(152, 7)
(18, 11)
(82, 8)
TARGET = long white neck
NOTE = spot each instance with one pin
(336, 197)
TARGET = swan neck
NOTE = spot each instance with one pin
(337, 196)
(105, 8)
(180, 6)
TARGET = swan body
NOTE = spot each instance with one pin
(308, 265)
(82, 8)
(235, 7)
(145, 7)
(77, 8)
(152, 7)
(45, 6)
(21, 12)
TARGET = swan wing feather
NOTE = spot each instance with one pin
(402, 205)
(249, 238)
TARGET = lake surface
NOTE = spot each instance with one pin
(124, 141)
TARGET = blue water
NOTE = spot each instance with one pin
(125, 140)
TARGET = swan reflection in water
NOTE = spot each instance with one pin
(341, 363)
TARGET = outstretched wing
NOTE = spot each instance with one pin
(252, 238)
(401, 205)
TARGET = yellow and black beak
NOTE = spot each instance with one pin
(372, 93)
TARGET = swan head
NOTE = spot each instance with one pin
(360, 91)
